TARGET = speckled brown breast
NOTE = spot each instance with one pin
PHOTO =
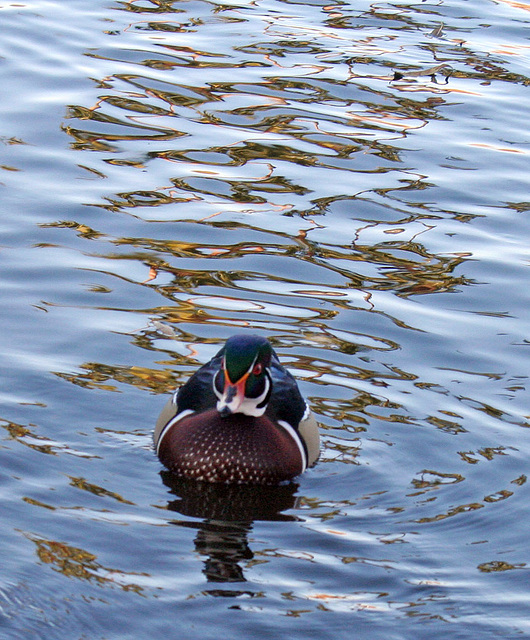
(236, 449)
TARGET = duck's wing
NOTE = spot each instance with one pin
(196, 395)
(288, 404)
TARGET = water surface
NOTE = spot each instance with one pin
(348, 180)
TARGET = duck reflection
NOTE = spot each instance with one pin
(227, 513)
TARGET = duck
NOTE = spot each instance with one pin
(239, 419)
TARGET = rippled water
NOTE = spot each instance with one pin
(349, 180)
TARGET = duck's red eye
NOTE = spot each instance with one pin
(258, 368)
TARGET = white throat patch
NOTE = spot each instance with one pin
(249, 406)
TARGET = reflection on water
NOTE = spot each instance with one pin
(80, 564)
(231, 503)
(226, 516)
(335, 177)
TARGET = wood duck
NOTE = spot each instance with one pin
(239, 419)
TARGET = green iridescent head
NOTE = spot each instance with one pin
(243, 352)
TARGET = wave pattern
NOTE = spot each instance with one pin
(337, 178)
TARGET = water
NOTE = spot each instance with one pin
(176, 172)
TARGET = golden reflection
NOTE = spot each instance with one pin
(500, 495)
(345, 452)
(74, 562)
(449, 426)
(405, 267)
(489, 453)
(299, 140)
(27, 436)
(499, 565)
(95, 376)
(151, 6)
(83, 230)
(430, 480)
(38, 503)
(435, 479)
(463, 508)
(81, 483)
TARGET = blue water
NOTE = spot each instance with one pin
(348, 180)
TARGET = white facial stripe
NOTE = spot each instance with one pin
(296, 437)
(262, 397)
(215, 390)
(168, 426)
(249, 406)
(252, 365)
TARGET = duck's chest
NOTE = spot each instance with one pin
(236, 449)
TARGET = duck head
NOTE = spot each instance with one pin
(243, 384)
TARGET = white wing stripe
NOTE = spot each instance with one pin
(168, 426)
(296, 437)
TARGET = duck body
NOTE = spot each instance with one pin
(239, 419)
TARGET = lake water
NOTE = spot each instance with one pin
(350, 180)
